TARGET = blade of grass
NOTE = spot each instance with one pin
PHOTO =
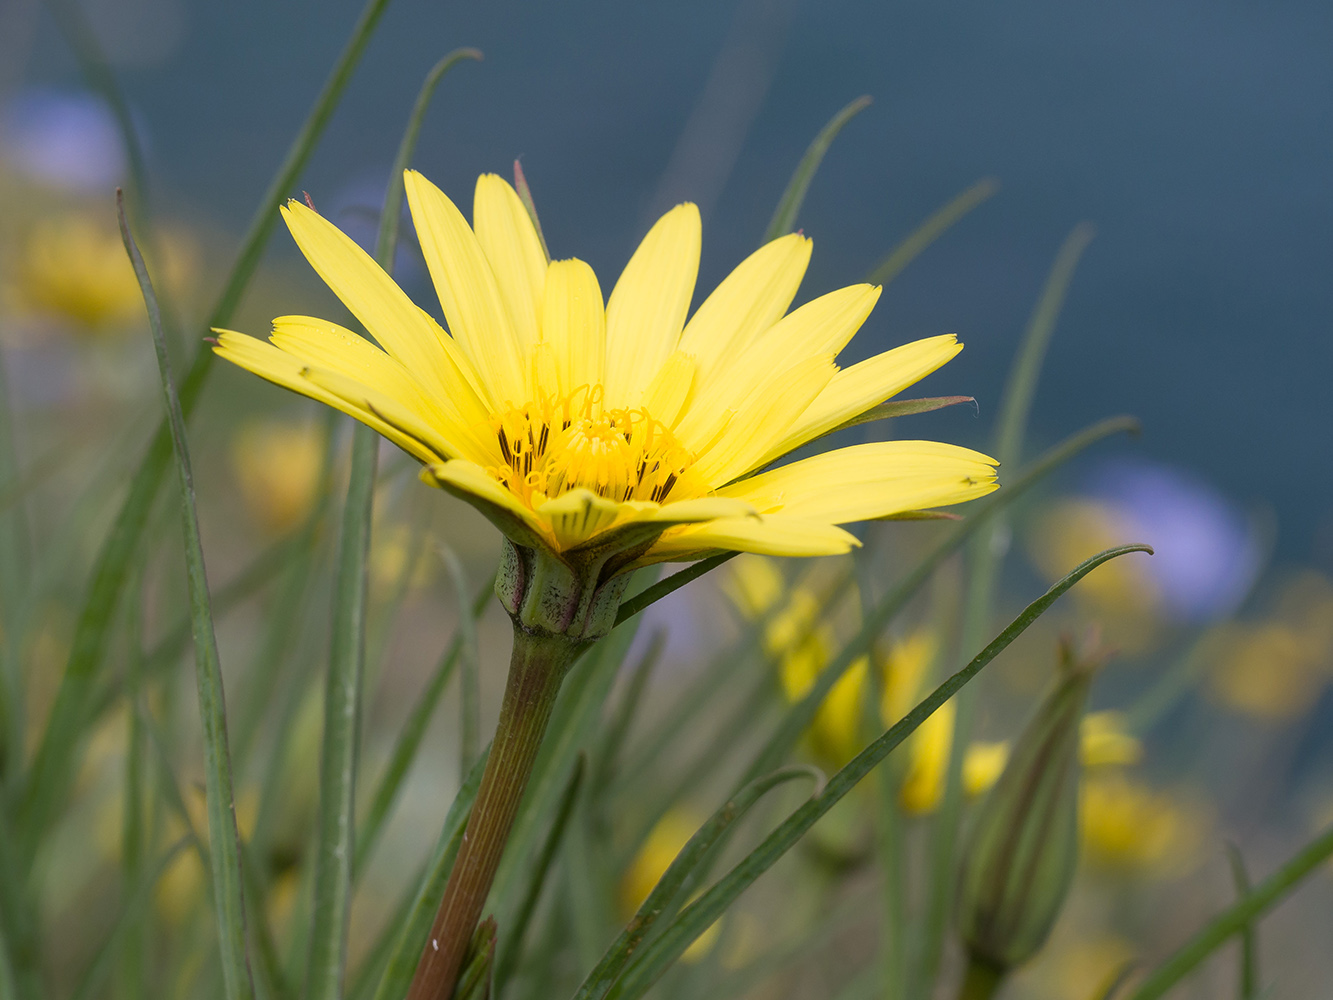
(670, 585)
(133, 838)
(901, 408)
(416, 925)
(517, 930)
(800, 715)
(679, 880)
(608, 753)
(94, 979)
(525, 196)
(932, 229)
(789, 205)
(985, 557)
(470, 673)
(1234, 920)
(336, 846)
(648, 964)
(15, 579)
(224, 840)
(49, 777)
(1248, 980)
(409, 740)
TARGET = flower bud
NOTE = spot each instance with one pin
(549, 595)
(1023, 847)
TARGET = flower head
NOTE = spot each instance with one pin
(612, 435)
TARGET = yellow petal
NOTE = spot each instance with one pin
(468, 291)
(386, 408)
(666, 397)
(765, 415)
(821, 327)
(327, 345)
(400, 325)
(574, 323)
(470, 482)
(870, 480)
(750, 300)
(772, 535)
(577, 516)
(648, 305)
(856, 389)
(504, 230)
(282, 369)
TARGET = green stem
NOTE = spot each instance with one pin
(981, 981)
(539, 662)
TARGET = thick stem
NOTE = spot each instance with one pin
(981, 981)
(538, 664)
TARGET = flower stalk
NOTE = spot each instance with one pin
(538, 664)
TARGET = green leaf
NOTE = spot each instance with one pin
(225, 852)
(931, 230)
(469, 701)
(415, 925)
(1248, 982)
(798, 718)
(336, 846)
(680, 878)
(789, 205)
(649, 964)
(409, 741)
(984, 560)
(1234, 920)
(48, 780)
(131, 914)
(670, 585)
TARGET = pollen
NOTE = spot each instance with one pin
(557, 445)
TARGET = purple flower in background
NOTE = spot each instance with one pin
(1207, 552)
(62, 138)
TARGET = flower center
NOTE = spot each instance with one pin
(557, 445)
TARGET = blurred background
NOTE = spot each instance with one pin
(1196, 138)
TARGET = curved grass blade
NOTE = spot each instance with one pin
(409, 742)
(516, 931)
(417, 922)
(470, 674)
(224, 853)
(608, 753)
(131, 914)
(1248, 981)
(1234, 921)
(985, 559)
(680, 878)
(800, 715)
(932, 229)
(653, 961)
(902, 408)
(789, 205)
(49, 778)
(671, 584)
(340, 753)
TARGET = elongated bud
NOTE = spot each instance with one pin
(1023, 847)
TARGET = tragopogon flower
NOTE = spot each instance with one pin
(610, 436)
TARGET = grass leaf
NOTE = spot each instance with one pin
(931, 230)
(789, 205)
(48, 780)
(652, 961)
(224, 840)
(1234, 920)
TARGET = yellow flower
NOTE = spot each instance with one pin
(277, 466)
(1275, 669)
(581, 428)
(71, 267)
(1127, 825)
(666, 840)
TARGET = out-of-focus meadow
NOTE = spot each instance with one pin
(1196, 141)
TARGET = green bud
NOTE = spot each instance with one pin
(1023, 848)
(550, 595)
